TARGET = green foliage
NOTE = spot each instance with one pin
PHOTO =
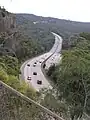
(9, 70)
(50, 100)
(52, 103)
(85, 35)
(28, 49)
(11, 64)
(27, 89)
(51, 69)
(13, 82)
(3, 76)
(38, 34)
(72, 77)
(2, 66)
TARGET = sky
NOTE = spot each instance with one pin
(77, 10)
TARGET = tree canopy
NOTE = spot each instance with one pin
(72, 76)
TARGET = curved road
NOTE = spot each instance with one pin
(33, 66)
(56, 57)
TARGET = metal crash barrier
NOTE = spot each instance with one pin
(16, 106)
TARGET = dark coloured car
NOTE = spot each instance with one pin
(28, 65)
(34, 65)
(39, 82)
(44, 65)
(34, 73)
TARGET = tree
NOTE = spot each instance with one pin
(51, 69)
(72, 77)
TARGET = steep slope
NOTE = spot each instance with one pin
(29, 38)
(42, 26)
(7, 20)
(14, 48)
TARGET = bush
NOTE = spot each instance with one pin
(27, 89)
(2, 66)
(3, 76)
(31, 92)
(51, 70)
(13, 82)
(11, 64)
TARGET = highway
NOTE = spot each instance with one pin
(56, 57)
(31, 69)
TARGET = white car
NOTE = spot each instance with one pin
(29, 78)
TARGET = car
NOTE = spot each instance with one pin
(29, 78)
(39, 82)
(34, 65)
(34, 73)
(43, 58)
(28, 65)
(44, 65)
(40, 62)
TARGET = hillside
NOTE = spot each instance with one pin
(63, 25)
(15, 47)
(42, 26)
(23, 36)
(7, 20)
(71, 78)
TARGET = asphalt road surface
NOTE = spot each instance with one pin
(33, 66)
(56, 57)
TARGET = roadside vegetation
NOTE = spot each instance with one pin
(72, 76)
(9, 74)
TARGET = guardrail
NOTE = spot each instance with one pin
(14, 105)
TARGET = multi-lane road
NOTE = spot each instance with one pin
(31, 69)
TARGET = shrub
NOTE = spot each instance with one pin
(27, 89)
(3, 76)
(13, 82)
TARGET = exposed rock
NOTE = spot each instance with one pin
(8, 30)
(7, 20)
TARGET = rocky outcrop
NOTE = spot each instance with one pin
(7, 20)
(8, 31)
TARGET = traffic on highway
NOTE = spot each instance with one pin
(32, 71)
